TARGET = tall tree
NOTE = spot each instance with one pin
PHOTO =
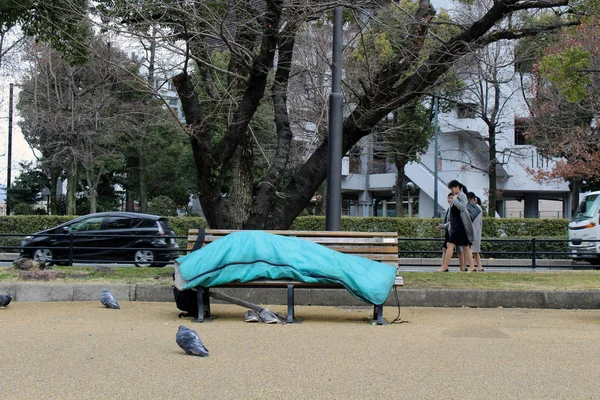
(566, 108)
(406, 133)
(218, 123)
(27, 187)
(75, 114)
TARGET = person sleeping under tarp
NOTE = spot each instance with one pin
(246, 256)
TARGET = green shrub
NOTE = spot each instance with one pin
(22, 209)
(428, 243)
(162, 205)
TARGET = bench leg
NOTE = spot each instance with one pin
(290, 313)
(200, 301)
(203, 299)
(206, 300)
(378, 314)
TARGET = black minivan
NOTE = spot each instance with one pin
(143, 239)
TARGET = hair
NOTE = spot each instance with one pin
(450, 195)
(471, 196)
(455, 183)
(478, 201)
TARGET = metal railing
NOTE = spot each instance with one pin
(530, 253)
(70, 250)
(508, 253)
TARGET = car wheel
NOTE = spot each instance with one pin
(44, 255)
(143, 258)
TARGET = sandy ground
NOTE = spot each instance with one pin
(79, 350)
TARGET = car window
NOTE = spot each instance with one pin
(135, 222)
(90, 224)
(165, 225)
(147, 223)
(119, 223)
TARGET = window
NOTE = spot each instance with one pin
(379, 164)
(521, 126)
(466, 110)
(355, 164)
(119, 223)
(90, 224)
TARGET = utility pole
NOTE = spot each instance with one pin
(334, 164)
(10, 126)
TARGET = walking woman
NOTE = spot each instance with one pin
(445, 226)
(476, 212)
(461, 227)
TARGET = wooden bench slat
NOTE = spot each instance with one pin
(223, 232)
(365, 249)
(373, 241)
(297, 284)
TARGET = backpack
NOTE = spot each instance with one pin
(186, 300)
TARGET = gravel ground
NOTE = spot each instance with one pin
(79, 350)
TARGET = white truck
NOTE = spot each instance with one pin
(584, 230)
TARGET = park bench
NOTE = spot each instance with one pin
(377, 246)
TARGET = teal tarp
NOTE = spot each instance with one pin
(250, 255)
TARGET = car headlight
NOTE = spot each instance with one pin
(27, 238)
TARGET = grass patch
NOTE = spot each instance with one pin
(559, 280)
(128, 275)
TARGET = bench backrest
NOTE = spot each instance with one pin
(378, 246)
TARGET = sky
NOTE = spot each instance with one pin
(20, 149)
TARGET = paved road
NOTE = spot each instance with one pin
(79, 350)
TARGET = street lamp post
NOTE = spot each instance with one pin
(9, 144)
(334, 164)
(436, 107)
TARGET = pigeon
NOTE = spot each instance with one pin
(109, 300)
(190, 342)
(5, 300)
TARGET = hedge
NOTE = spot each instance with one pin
(420, 228)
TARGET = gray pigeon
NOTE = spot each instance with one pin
(109, 300)
(190, 342)
(5, 300)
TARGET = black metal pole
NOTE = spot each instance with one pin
(9, 158)
(436, 109)
(334, 164)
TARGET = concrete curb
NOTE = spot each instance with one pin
(576, 299)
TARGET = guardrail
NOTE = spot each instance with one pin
(530, 252)
(67, 249)
(539, 252)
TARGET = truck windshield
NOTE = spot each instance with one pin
(587, 208)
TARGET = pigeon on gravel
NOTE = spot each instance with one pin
(109, 300)
(5, 300)
(190, 342)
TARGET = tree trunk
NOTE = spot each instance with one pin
(400, 165)
(240, 192)
(93, 198)
(493, 185)
(54, 175)
(72, 190)
(142, 172)
(575, 190)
